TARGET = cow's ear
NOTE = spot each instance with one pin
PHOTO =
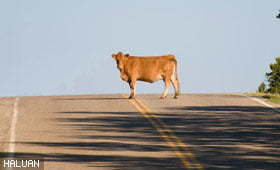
(126, 55)
(113, 56)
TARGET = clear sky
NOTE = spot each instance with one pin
(64, 47)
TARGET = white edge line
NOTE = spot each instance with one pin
(13, 126)
(262, 102)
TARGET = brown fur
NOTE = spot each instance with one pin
(148, 69)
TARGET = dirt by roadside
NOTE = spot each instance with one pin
(6, 112)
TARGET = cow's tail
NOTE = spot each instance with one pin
(177, 78)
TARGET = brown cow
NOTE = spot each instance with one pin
(148, 69)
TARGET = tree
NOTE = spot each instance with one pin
(278, 16)
(261, 88)
(273, 77)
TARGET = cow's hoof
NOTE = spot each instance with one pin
(131, 97)
(175, 97)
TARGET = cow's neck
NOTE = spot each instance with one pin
(124, 65)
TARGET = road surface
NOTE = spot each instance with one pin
(196, 131)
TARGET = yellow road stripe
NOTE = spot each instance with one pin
(162, 128)
(167, 128)
(162, 134)
(169, 142)
(178, 141)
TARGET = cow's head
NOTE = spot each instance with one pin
(120, 60)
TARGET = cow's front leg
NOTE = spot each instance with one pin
(167, 85)
(132, 85)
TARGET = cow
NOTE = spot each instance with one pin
(148, 69)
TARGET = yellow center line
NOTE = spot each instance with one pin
(172, 135)
(162, 134)
(163, 129)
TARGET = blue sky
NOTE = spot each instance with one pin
(64, 47)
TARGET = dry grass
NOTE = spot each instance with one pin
(275, 98)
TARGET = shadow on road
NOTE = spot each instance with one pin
(227, 108)
(221, 137)
(117, 140)
(116, 162)
(229, 137)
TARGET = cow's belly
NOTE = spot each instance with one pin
(150, 78)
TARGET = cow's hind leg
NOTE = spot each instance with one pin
(167, 85)
(175, 84)
(132, 85)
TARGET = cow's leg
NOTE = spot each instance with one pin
(132, 85)
(167, 85)
(175, 84)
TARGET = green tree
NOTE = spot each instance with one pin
(278, 16)
(261, 88)
(273, 77)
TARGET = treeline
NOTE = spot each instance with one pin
(272, 78)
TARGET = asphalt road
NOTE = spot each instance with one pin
(196, 131)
